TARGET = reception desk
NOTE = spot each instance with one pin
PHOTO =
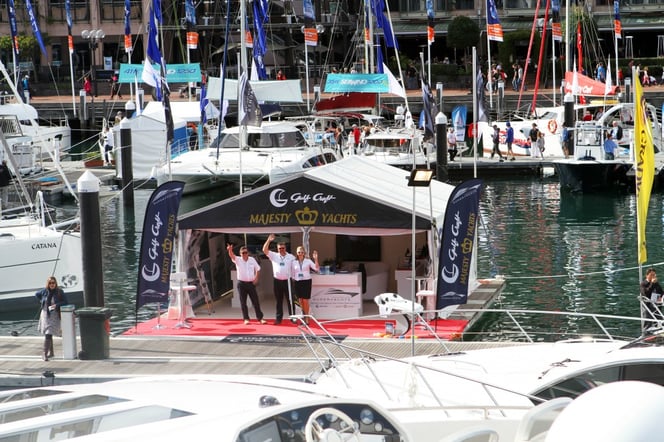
(336, 296)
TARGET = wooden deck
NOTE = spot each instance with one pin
(21, 364)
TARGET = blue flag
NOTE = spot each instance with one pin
(156, 9)
(379, 57)
(13, 30)
(260, 44)
(127, 15)
(383, 23)
(204, 103)
(67, 13)
(456, 248)
(159, 227)
(127, 27)
(190, 12)
(35, 26)
(153, 51)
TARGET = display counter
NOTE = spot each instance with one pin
(336, 296)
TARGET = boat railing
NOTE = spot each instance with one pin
(652, 312)
(330, 352)
(179, 147)
(597, 326)
(417, 370)
(10, 126)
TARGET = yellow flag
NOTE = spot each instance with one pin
(644, 159)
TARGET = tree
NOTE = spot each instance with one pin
(27, 46)
(463, 33)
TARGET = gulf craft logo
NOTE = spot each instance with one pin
(279, 198)
(305, 216)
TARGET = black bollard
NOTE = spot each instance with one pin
(93, 273)
(441, 147)
(568, 100)
(127, 165)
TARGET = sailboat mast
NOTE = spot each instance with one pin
(541, 54)
(488, 54)
(242, 70)
(567, 38)
(389, 17)
(369, 52)
(616, 35)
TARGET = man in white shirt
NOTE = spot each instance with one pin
(281, 264)
(108, 147)
(247, 276)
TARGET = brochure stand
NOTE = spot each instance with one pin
(159, 325)
(179, 285)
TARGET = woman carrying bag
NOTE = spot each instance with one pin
(51, 299)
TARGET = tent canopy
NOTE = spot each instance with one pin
(266, 90)
(354, 196)
(181, 110)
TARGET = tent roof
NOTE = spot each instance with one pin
(355, 196)
(289, 91)
(181, 110)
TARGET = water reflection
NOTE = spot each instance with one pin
(564, 252)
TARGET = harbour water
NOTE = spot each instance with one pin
(556, 251)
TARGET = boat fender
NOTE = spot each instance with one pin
(553, 126)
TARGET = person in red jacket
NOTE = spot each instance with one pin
(357, 134)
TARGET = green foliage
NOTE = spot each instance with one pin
(27, 45)
(440, 69)
(507, 49)
(463, 33)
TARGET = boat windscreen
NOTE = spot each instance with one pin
(264, 140)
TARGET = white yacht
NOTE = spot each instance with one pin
(399, 147)
(48, 140)
(31, 252)
(273, 151)
(201, 408)
(494, 387)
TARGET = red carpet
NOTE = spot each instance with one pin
(366, 328)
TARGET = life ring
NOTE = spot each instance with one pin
(553, 126)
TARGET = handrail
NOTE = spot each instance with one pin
(327, 342)
(368, 356)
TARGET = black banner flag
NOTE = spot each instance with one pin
(456, 248)
(159, 226)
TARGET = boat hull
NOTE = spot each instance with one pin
(592, 176)
(29, 256)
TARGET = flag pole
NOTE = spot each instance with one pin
(73, 87)
(475, 111)
(70, 47)
(369, 48)
(553, 58)
(242, 71)
(617, 30)
(489, 77)
(396, 50)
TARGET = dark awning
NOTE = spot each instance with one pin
(328, 199)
